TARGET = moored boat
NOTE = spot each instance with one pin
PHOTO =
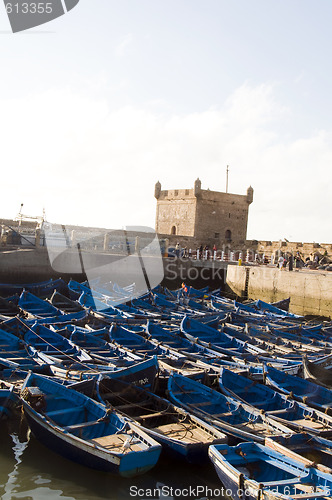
(182, 435)
(300, 389)
(279, 407)
(235, 418)
(252, 471)
(84, 431)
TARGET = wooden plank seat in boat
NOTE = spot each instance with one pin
(131, 405)
(309, 423)
(151, 415)
(308, 495)
(258, 403)
(81, 425)
(96, 350)
(202, 403)
(308, 490)
(17, 359)
(117, 441)
(106, 395)
(177, 348)
(16, 351)
(135, 346)
(184, 432)
(218, 415)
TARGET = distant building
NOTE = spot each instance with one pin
(208, 216)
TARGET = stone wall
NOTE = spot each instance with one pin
(275, 247)
(222, 217)
(176, 212)
(310, 291)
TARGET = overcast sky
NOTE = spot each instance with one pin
(98, 105)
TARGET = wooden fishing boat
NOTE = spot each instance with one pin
(313, 451)
(87, 301)
(174, 340)
(286, 342)
(50, 347)
(230, 416)
(216, 340)
(14, 354)
(142, 373)
(182, 436)
(42, 289)
(37, 307)
(62, 319)
(280, 407)
(9, 308)
(64, 303)
(102, 351)
(282, 304)
(276, 309)
(253, 471)
(138, 344)
(298, 388)
(84, 431)
(319, 371)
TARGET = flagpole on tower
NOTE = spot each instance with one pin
(227, 170)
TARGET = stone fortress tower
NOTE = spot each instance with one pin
(206, 216)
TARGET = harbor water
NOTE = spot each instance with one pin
(29, 471)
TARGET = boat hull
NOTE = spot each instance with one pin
(77, 450)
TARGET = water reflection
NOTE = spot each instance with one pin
(18, 449)
(36, 473)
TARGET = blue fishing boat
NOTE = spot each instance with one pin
(313, 451)
(85, 431)
(64, 303)
(14, 354)
(225, 413)
(42, 289)
(50, 347)
(298, 388)
(102, 351)
(62, 319)
(138, 344)
(319, 371)
(252, 471)
(9, 307)
(278, 406)
(169, 359)
(272, 308)
(37, 307)
(174, 340)
(89, 302)
(182, 436)
(217, 340)
(143, 373)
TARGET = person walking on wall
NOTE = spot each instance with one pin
(290, 262)
(281, 262)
